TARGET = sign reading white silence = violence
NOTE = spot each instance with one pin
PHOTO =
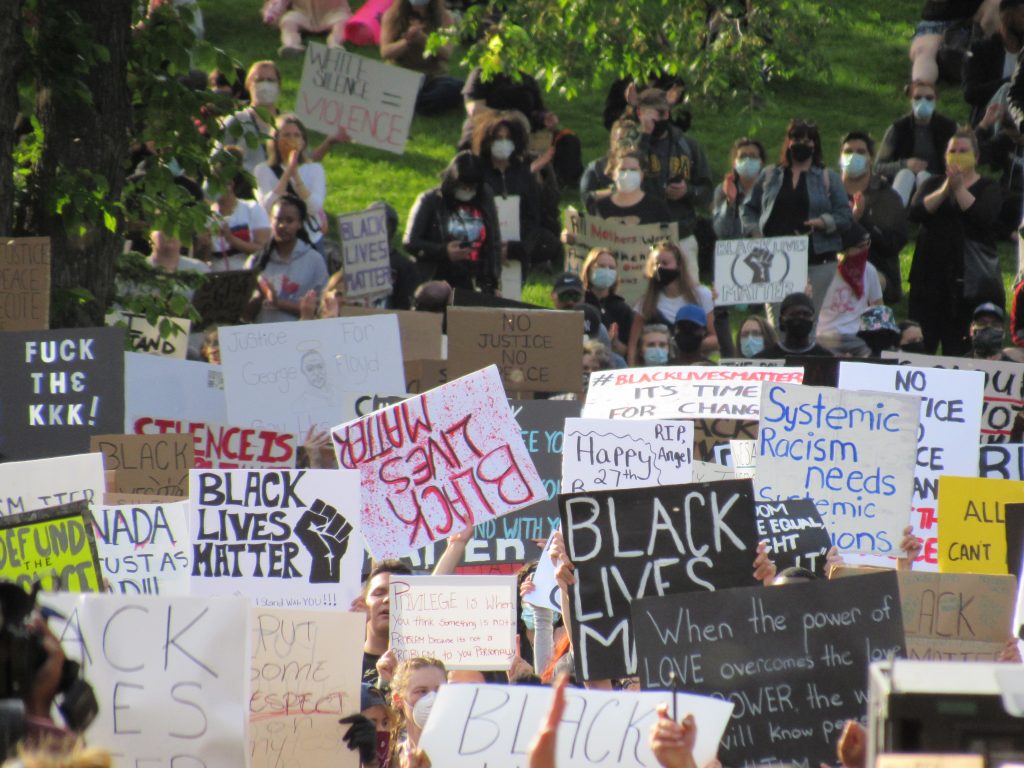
(649, 541)
(763, 270)
(673, 392)
(792, 659)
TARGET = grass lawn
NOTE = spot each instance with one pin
(866, 50)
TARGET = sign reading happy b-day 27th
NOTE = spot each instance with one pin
(853, 453)
(371, 100)
(283, 538)
(763, 270)
(435, 463)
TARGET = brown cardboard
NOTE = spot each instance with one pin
(421, 375)
(24, 283)
(535, 350)
(147, 464)
(420, 331)
(120, 499)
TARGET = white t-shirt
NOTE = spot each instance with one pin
(669, 306)
(247, 217)
(841, 309)
(315, 181)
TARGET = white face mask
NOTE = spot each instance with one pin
(421, 710)
(628, 181)
(464, 195)
(266, 92)
(502, 149)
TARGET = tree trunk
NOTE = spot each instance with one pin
(11, 51)
(81, 137)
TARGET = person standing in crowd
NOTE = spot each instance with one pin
(600, 278)
(263, 82)
(404, 29)
(596, 181)
(796, 321)
(746, 161)
(955, 266)
(452, 230)
(755, 333)
(913, 147)
(877, 208)
(853, 289)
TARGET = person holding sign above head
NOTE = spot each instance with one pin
(452, 230)
(796, 321)
(263, 82)
(600, 278)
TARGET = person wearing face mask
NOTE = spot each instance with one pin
(987, 332)
(629, 201)
(745, 164)
(688, 333)
(596, 181)
(655, 345)
(877, 208)
(955, 265)
(404, 29)
(913, 147)
(670, 286)
(600, 278)
(878, 330)
(452, 230)
(911, 337)
(853, 289)
(800, 196)
(263, 82)
(754, 335)
(796, 322)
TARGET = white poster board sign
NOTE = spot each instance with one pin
(682, 392)
(947, 440)
(144, 548)
(602, 454)
(475, 725)
(508, 217)
(852, 453)
(468, 622)
(546, 592)
(171, 674)
(437, 462)
(162, 385)
(146, 337)
(291, 376)
(282, 538)
(710, 472)
(371, 100)
(763, 270)
(744, 457)
(366, 253)
(26, 486)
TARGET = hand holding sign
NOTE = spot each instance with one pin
(324, 532)
(672, 743)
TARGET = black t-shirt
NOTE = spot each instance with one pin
(776, 352)
(650, 210)
(791, 208)
(370, 665)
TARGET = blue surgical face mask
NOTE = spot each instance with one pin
(655, 355)
(603, 277)
(751, 345)
(853, 163)
(923, 108)
(748, 167)
(527, 616)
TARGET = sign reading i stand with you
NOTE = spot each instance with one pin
(365, 253)
(792, 658)
(58, 389)
(371, 100)
(852, 453)
(283, 538)
(649, 541)
(752, 271)
(145, 548)
(437, 462)
(947, 439)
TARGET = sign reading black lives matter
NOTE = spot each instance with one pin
(762, 270)
(793, 659)
(639, 542)
(282, 538)
(58, 389)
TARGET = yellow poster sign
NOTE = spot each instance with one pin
(53, 546)
(972, 523)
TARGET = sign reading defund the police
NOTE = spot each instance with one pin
(58, 389)
(852, 453)
(649, 541)
(282, 538)
(52, 547)
(762, 270)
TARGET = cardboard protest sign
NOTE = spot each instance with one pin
(58, 389)
(305, 676)
(147, 337)
(628, 243)
(528, 346)
(796, 534)
(371, 100)
(467, 297)
(628, 544)
(171, 674)
(218, 446)
(711, 436)
(222, 297)
(421, 375)
(53, 547)
(1004, 388)
(853, 453)
(674, 392)
(144, 548)
(947, 439)
(26, 486)
(972, 535)
(1001, 460)
(290, 376)
(151, 464)
(24, 283)
(709, 472)
(160, 386)
(602, 455)
(791, 658)
(956, 616)
(491, 725)
(123, 499)
(468, 622)
(762, 270)
(282, 538)
(420, 332)
(434, 463)
(366, 255)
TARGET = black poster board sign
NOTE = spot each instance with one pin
(639, 542)
(223, 296)
(795, 532)
(58, 389)
(793, 659)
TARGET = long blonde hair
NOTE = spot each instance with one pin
(588, 263)
(399, 686)
(686, 282)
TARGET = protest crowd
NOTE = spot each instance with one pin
(375, 509)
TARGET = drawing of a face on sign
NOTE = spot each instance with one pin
(760, 266)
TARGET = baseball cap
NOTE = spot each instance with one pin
(567, 281)
(988, 308)
(692, 313)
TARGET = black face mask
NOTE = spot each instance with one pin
(660, 127)
(664, 276)
(987, 341)
(913, 347)
(800, 153)
(688, 342)
(797, 327)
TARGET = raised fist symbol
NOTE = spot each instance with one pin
(324, 532)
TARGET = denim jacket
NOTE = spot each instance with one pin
(826, 199)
